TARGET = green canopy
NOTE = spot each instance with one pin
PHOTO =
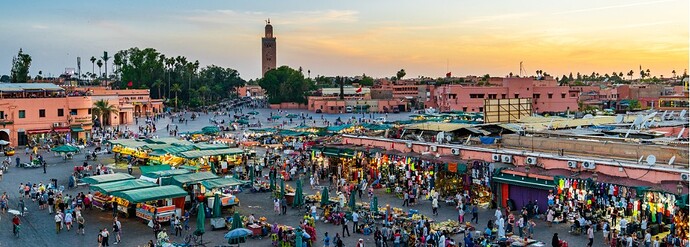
(242, 121)
(324, 196)
(298, 201)
(376, 126)
(165, 173)
(275, 117)
(236, 221)
(201, 219)
(151, 194)
(352, 202)
(106, 178)
(208, 130)
(205, 153)
(221, 183)
(291, 115)
(150, 169)
(287, 132)
(282, 188)
(192, 178)
(208, 146)
(130, 184)
(216, 206)
(190, 168)
(263, 130)
(338, 128)
(253, 113)
(374, 206)
(251, 174)
(65, 149)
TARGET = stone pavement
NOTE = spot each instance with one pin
(38, 227)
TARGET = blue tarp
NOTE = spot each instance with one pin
(487, 139)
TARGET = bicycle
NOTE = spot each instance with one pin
(194, 239)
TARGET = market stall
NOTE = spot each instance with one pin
(224, 186)
(103, 193)
(163, 177)
(191, 182)
(91, 180)
(517, 189)
(213, 160)
(161, 201)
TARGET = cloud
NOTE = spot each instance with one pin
(226, 17)
(39, 26)
(619, 6)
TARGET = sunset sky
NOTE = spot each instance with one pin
(354, 37)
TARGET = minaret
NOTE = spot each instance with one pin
(268, 49)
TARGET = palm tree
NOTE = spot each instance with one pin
(674, 73)
(158, 83)
(100, 64)
(631, 73)
(203, 90)
(648, 74)
(101, 109)
(176, 88)
(93, 61)
(105, 58)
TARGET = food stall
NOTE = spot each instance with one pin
(190, 182)
(163, 177)
(223, 185)
(106, 178)
(161, 201)
(103, 193)
(206, 158)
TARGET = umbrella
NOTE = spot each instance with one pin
(352, 201)
(238, 233)
(275, 117)
(200, 219)
(213, 168)
(236, 221)
(291, 115)
(210, 130)
(216, 206)
(324, 196)
(251, 174)
(374, 206)
(3, 142)
(299, 197)
(282, 188)
(253, 113)
(242, 121)
(272, 183)
(65, 149)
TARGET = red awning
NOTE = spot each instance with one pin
(37, 131)
(62, 129)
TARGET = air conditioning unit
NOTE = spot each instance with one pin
(531, 160)
(588, 165)
(572, 164)
(507, 158)
(455, 151)
(434, 148)
(57, 124)
(684, 176)
(496, 157)
(408, 144)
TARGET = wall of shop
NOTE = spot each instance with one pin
(288, 105)
(608, 149)
(545, 161)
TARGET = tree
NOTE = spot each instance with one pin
(103, 109)
(631, 73)
(486, 77)
(105, 58)
(620, 74)
(93, 64)
(100, 64)
(400, 74)
(20, 67)
(648, 73)
(39, 76)
(674, 73)
(570, 77)
(176, 89)
(285, 84)
(158, 83)
(5, 78)
(366, 81)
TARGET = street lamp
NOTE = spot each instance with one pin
(595, 176)
(680, 187)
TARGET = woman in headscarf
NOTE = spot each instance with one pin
(555, 242)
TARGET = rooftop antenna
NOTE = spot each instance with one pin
(651, 160)
(522, 69)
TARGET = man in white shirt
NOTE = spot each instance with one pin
(590, 236)
(498, 213)
(355, 219)
(647, 239)
(623, 224)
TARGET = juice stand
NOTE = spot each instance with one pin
(162, 201)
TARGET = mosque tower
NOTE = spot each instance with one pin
(268, 49)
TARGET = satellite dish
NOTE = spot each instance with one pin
(670, 162)
(651, 159)
(588, 116)
(663, 116)
(640, 160)
(448, 138)
(680, 134)
(682, 114)
(619, 119)
(638, 120)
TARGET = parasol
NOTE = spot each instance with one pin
(216, 206)
(324, 196)
(200, 219)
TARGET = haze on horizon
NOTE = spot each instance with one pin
(354, 37)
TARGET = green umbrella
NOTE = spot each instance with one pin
(272, 183)
(291, 115)
(216, 206)
(374, 206)
(251, 174)
(236, 221)
(282, 188)
(275, 117)
(352, 201)
(65, 149)
(299, 197)
(201, 219)
(253, 113)
(324, 196)
(213, 168)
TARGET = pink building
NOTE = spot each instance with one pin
(31, 113)
(251, 91)
(131, 103)
(546, 95)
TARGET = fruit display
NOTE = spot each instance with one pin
(447, 226)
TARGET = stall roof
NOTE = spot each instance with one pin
(172, 150)
(532, 182)
(192, 177)
(150, 169)
(168, 140)
(432, 126)
(106, 178)
(130, 143)
(151, 194)
(206, 146)
(109, 188)
(168, 173)
(204, 153)
(222, 182)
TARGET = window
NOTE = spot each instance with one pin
(476, 96)
(536, 96)
(61, 112)
(481, 109)
(22, 114)
(2, 115)
(89, 111)
(517, 95)
(492, 96)
(563, 96)
(73, 112)
(550, 96)
(464, 109)
(503, 96)
(42, 113)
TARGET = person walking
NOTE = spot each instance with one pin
(475, 214)
(68, 221)
(355, 221)
(117, 229)
(44, 166)
(104, 237)
(434, 206)
(326, 240)
(406, 199)
(590, 236)
(80, 222)
(58, 223)
(283, 206)
(344, 225)
(555, 241)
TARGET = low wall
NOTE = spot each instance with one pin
(628, 151)
(288, 105)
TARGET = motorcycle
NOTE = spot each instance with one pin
(30, 165)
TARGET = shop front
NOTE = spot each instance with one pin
(162, 202)
(518, 189)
